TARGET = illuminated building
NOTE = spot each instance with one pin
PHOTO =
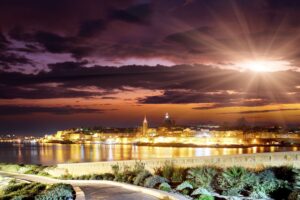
(145, 126)
(168, 122)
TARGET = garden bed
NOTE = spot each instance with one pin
(201, 183)
(210, 182)
(18, 190)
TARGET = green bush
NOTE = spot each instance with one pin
(42, 173)
(9, 167)
(140, 178)
(85, 177)
(178, 175)
(116, 169)
(126, 174)
(296, 178)
(36, 189)
(138, 167)
(185, 185)
(22, 197)
(265, 182)
(31, 169)
(284, 173)
(67, 177)
(295, 195)
(57, 191)
(96, 177)
(12, 182)
(23, 191)
(288, 181)
(202, 176)
(119, 177)
(200, 191)
(157, 171)
(153, 181)
(234, 180)
(165, 187)
(108, 176)
(167, 170)
(205, 197)
(15, 187)
(129, 177)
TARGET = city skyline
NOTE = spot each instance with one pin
(79, 63)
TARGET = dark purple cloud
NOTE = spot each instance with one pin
(264, 111)
(113, 31)
(25, 110)
(63, 48)
(179, 84)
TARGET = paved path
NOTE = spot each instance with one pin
(92, 191)
(101, 192)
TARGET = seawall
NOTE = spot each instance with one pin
(245, 160)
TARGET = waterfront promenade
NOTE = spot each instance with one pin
(96, 190)
(245, 160)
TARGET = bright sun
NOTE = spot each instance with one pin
(265, 65)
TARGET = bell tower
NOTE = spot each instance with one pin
(145, 126)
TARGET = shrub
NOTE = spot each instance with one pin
(116, 169)
(36, 189)
(185, 188)
(184, 185)
(96, 177)
(140, 178)
(234, 180)
(158, 171)
(22, 197)
(284, 173)
(178, 175)
(42, 173)
(129, 177)
(23, 191)
(108, 176)
(167, 169)
(205, 197)
(138, 167)
(10, 167)
(202, 176)
(203, 194)
(57, 191)
(85, 177)
(295, 195)
(200, 191)
(119, 177)
(265, 183)
(31, 169)
(288, 181)
(13, 188)
(66, 177)
(296, 184)
(153, 181)
(12, 182)
(165, 187)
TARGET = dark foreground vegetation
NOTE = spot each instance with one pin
(24, 169)
(210, 182)
(37, 191)
(200, 183)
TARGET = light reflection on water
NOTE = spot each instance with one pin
(49, 154)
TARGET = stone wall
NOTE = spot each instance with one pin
(246, 160)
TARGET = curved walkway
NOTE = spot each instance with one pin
(99, 190)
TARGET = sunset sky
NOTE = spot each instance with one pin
(70, 63)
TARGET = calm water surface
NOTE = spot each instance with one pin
(50, 154)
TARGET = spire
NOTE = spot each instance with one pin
(145, 119)
(167, 116)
